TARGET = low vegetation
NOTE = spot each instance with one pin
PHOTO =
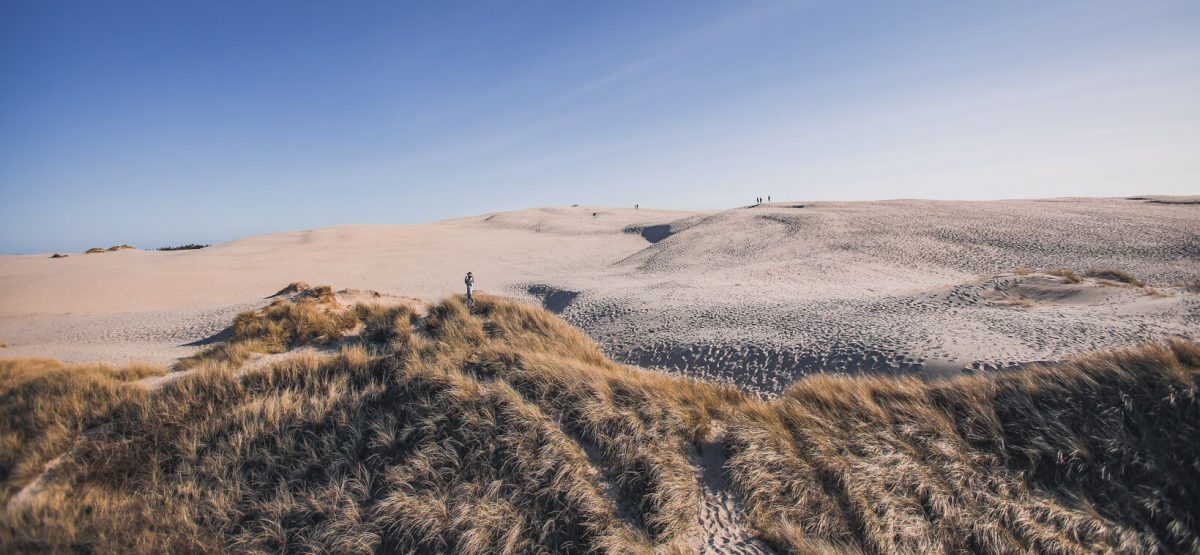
(1116, 275)
(311, 316)
(187, 247)
(114, 248)
(46, 405)
(1013, 302)
(505, 430)
(1156, 292)
(1066, 274)
(1095, 455)
(1104, 277)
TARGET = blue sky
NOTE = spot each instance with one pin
(157, 123)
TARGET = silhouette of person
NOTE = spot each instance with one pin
(470, 281)
(768, 198)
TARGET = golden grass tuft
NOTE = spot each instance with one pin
(285, 325)
(45, 407)
(1094, 455)
(312, 317)
(1014, 303)
(502, 429)
(1116, 275)
(1070, 276)
(292, 288)
(384, 325)
(96, 250)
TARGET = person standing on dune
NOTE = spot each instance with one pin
(470, 281)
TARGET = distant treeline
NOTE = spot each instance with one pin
(187, 247)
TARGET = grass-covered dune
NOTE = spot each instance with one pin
(504, 430)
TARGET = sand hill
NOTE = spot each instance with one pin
(755, 295)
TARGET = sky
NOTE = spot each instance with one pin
(160, 123)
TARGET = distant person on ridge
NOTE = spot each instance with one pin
(470, 281)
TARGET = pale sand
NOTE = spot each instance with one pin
(757, 295)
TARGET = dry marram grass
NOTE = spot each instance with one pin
(505, 430)
(312, 316)
(1089, 456)
(1116, 275)
(1068, 275)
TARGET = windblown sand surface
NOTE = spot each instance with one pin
(757, 295)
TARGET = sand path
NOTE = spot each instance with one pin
(720, 528)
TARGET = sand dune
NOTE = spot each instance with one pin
(315, 426)
(757, 295)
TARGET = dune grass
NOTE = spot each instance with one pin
(1068, 275)
(1089, 456)
(1071, 276)
(312, 317)
(45, 408)
(46, 403)
(505, 430)
(1013, 302)
(1116, 275)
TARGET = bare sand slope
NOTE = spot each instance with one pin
(758, 295)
